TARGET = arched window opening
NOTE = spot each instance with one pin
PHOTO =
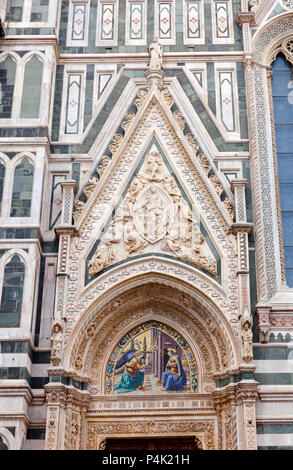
(32, 85)
(2, 177)
(22, 189)
(283, 115)
(12, 291)
(7, 79)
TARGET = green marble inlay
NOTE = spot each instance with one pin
(274, 378)
(103, 115)
(272, 353)
(121, 47)
(11, 301)
(275, 428)
(14, 10)
(203, 115)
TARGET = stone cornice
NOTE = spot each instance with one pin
(246, 17)
(240, 227)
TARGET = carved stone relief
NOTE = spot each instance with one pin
(98, 430)
(154, 216)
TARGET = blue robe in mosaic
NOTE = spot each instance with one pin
(174, 378)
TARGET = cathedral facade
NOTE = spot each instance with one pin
(146, 224)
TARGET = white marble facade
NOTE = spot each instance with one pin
(119, 149)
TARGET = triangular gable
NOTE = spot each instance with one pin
(153, 216)
(119, 171)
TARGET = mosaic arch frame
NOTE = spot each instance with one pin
(137, 331)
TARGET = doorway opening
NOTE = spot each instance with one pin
(164, 443)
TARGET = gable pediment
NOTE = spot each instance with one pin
(154, 215)
(155, 172)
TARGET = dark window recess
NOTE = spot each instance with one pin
(7, 79)
(282, 88)
(2, 176)
(36, 433)
(12, 291)
(22, 189)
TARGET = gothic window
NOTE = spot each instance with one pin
(32, 85)
(14, 10)
(283, 115)
(22, 189)
(7, 79)
(39, 11)
(2, 176)
(12, 290)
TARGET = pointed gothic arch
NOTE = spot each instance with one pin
(127, 304)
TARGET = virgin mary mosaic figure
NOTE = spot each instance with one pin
(174, 377)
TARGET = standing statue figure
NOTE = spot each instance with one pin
(246, 340)
(57, 339)
(253, 5)
(156, 51)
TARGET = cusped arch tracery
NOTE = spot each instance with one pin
(272, 37)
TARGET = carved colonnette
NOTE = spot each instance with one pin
(235, 406)
(66, 425)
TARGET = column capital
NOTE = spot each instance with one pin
(246, 17)
(238, 182)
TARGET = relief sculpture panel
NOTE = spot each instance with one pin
(154, 216)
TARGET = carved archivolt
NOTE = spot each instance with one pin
(269, 36)
(125, 294)
(98, 336)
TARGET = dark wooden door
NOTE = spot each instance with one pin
(165, 443)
